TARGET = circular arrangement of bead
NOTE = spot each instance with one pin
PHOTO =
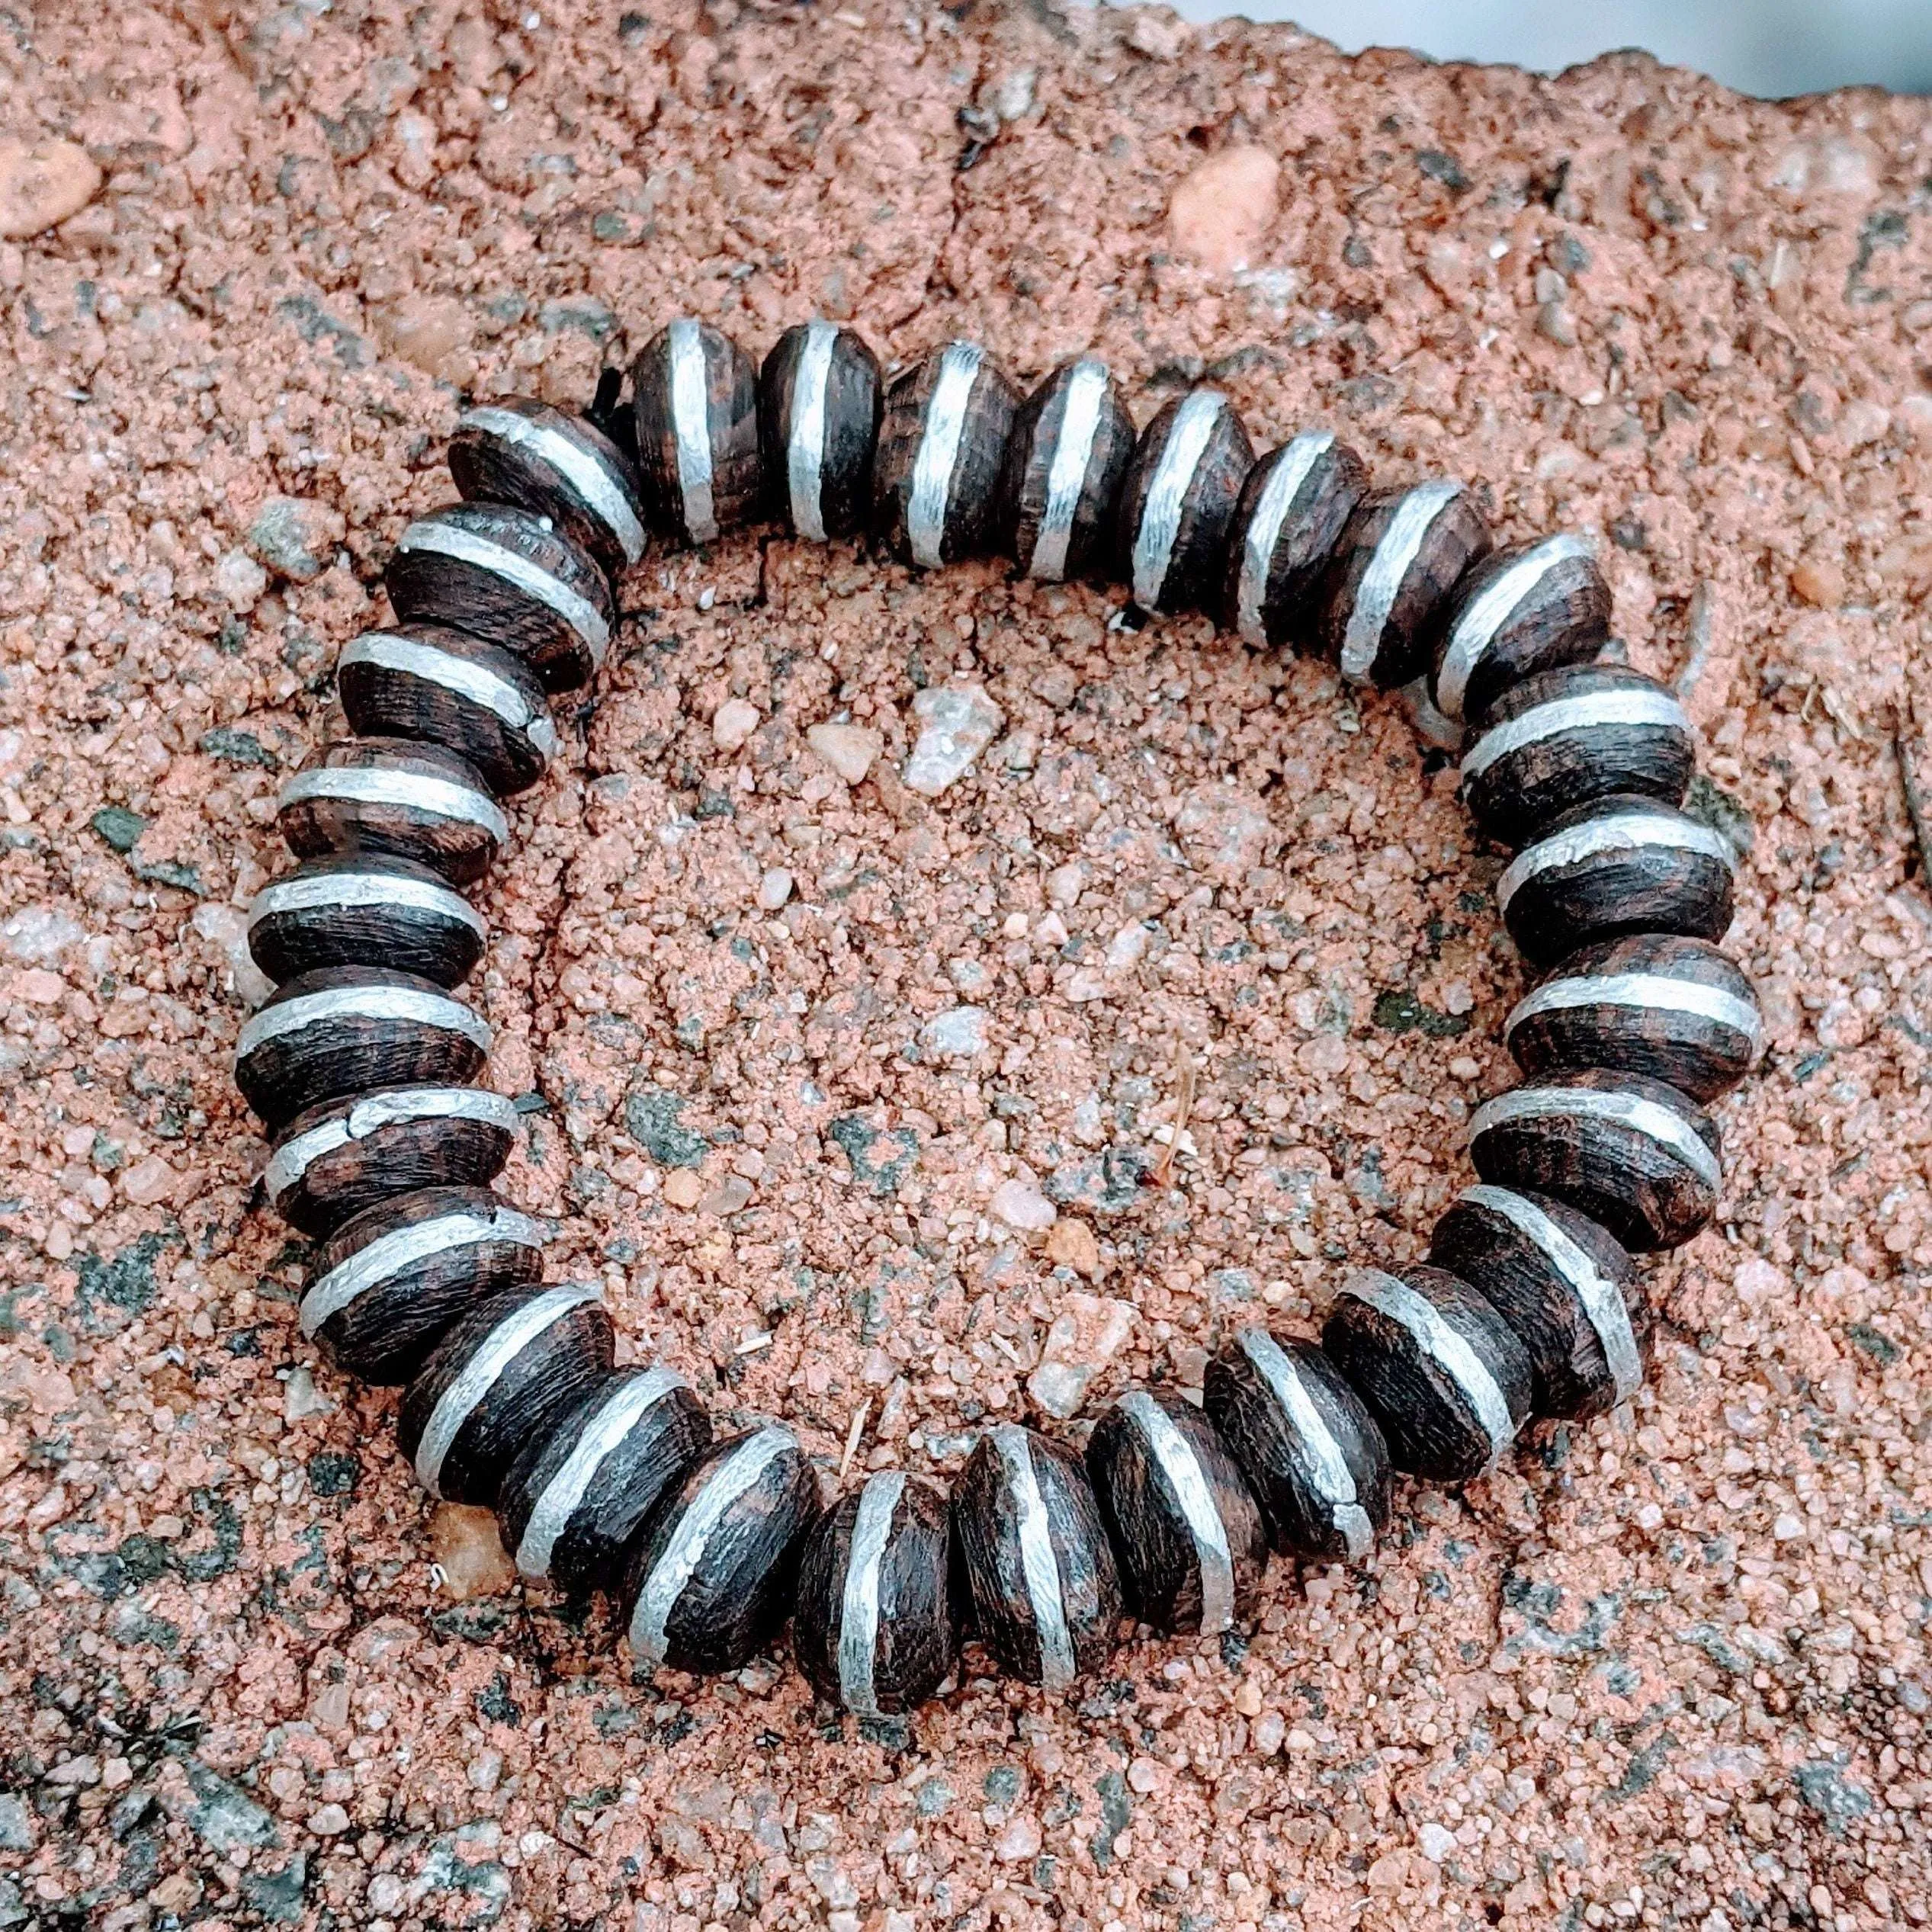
(362, 1064)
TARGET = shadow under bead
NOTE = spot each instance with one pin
(709, 1580)
(344, 1030)
(1656, 1003)
(1185, 1529)
(526, 454)
(507, 1371)
(942, 448)
(1561, 1282)
(388, 794)
(1066, 463)
(442, 687)
(1293, 508)
(694, 394)
(1045, 1591)
(1177, 505)
(873, 1630)
(1310, 1451)
(820, 399)
(1441, 1371)
(578, 1492)
(365, 909)
(389, 1282)
(1632, 1153)
(1400, 554)
(1569, 737)
(1626, 864)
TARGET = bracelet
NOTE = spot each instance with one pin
(361, 1065)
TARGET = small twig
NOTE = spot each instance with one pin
(852, 1435)
(1701, 626)
(1914, 798)
(1163, 1170)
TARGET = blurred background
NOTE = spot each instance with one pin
(1769, 47)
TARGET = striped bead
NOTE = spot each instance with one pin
(820, 400)
(1066, 464)
(695, 392)
(1293, 508)
(1177, 505)
(390, 795)
(942, 451)
(365, 909)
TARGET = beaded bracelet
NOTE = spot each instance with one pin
(361, 1064)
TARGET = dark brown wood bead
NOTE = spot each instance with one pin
(426, 681)
(1177, 505)
(523, 452)
(1185, 1528)
(365, 909)
(1441, 1371)
(1311, 1452)
(1044, 1587)
(342, 1030)
(821, 398)
(709, 1578)
(1656, 1003)
(1633, 1154)
(1569, 737)
(942, 448)
(1399, 556)
(695, 396)
(507, 1371)
(1294, 507)
(578, 1492)
(1066, 464)
(511, 579)
(1561, 1282)
(1624, 864)
(390, 1281)
(1527, 609)
(873, 1627)
(390, 794)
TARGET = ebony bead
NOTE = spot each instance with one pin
(1045, 1592)
(391, 1279)
(1293, 508)
(709, 1579)
(507, 1371)
(695, 395)
(365, 909)
(388, 794)
(509, 578)
(1066, 463)
(1441, 1371)
(943, 447)
(1177, 505)
(820, 397)
(1624, 864)
(873, 1628)
(1629, 1152)
(578, 1492)
(343, 1030)
(1311, 1452)
(1655, 1003)
(1560, 1281)
(1185, 1529)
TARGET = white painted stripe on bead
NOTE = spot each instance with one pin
(388, 651)
(1328, 1471)
(461, 546)
(1597, 837)
(1476, 628)
(413, 791)
(600, 493)
(1038, 1566)
(1654, 1119)
(859, 1610)
(1593, 710)
(374, 1111)
(1395, 555)
(691, 428)
(804, 449)
(1602, 1299)
(938, 453)
(1264, 529)
(389, 1254)
(375, 891)
(1161, 517)
(1448, 1349)
(485, 1368)
(1079, 424)
(691, 1535)
(603, 1434)
(1645, 992)
(1175, 1456)
(415, 1005)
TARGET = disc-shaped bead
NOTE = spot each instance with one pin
(1177, 505)
(942, 448)
(695, 396)
(820, 397)
(1293, 508)
(1066, 463)
(365, 909)
(389, 794)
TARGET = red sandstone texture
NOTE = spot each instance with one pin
(1666, 1669)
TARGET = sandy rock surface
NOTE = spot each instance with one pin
(1666, 1669)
